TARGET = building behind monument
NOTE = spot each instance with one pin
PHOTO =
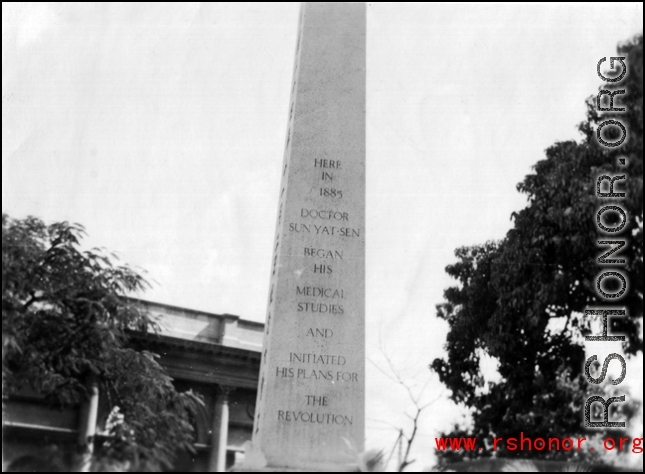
(215, 355)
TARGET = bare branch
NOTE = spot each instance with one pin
(405, 440)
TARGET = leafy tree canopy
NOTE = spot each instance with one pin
(65, 328)
(522, 300)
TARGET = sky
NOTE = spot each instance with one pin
(161, 129)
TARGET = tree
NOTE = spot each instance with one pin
(65, 331)
(522, 300)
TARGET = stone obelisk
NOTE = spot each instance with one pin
(310, 411)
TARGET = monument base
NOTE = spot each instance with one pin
(255, 461)
(242, 468)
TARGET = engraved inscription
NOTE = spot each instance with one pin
(325, 269)
(321, 418)
(331, 192)
(315, 332)
(332, 164)
(322, 253)
(314, 400)
(321, 308)
(324, 230)
(314, 374)
(324, 214)
(319, 291)
(307, 358)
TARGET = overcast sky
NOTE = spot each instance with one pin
(161, 129)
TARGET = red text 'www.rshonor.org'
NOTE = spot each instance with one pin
(525, 443)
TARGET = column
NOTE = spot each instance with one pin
(219, 436)
(87, 429)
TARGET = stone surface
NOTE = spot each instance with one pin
(310, 406)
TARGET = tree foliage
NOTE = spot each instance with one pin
(522, 300)
(65, 327)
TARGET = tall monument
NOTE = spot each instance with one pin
(311, 396)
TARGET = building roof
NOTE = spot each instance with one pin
(199, 326)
